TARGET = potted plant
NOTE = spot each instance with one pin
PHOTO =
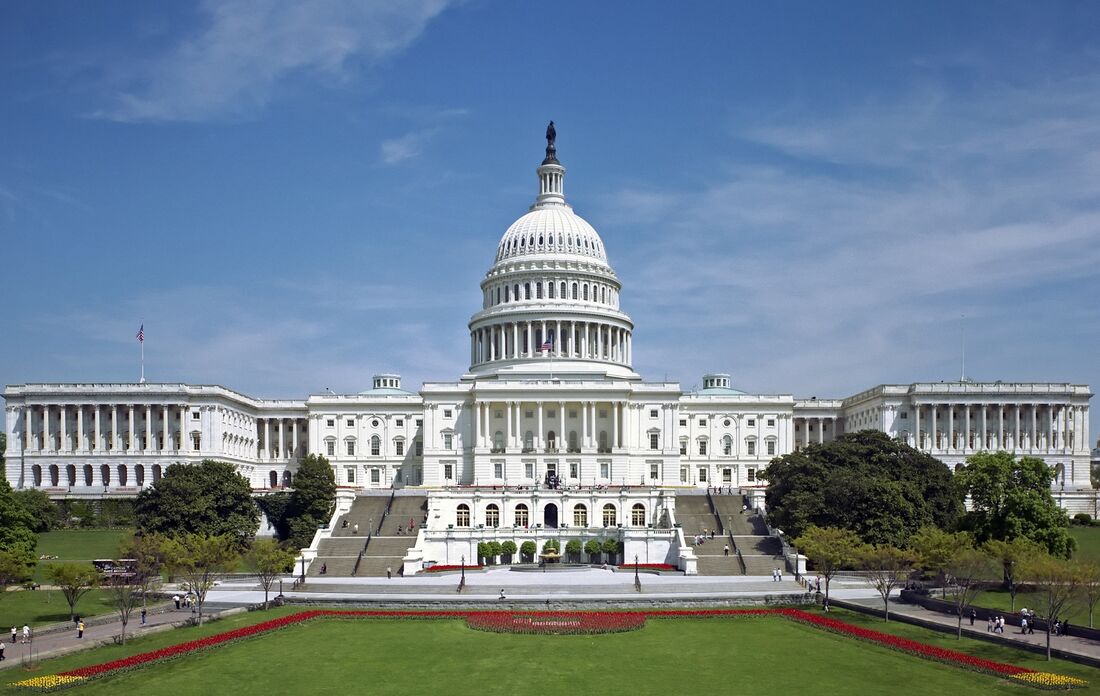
(508, 550)
(611, 548)
(573, 549)
(527, 551)
(593, 548)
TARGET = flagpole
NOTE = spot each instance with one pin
(142, 362)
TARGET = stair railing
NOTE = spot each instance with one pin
(714, 511)
(741, 562)
(362, 553)
(386, 512)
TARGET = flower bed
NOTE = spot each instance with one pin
(648, 566)
(456, 568)
(568, 623)
(561, 623)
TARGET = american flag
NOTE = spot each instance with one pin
(548, 344)
(141, 334)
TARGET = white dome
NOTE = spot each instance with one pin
(553, 229)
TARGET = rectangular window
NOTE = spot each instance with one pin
(683, 474)
(654, 471)
(653, 413)
(419, 448)
(771, 422)
(351, 448)
(351, 474)
(904, 415)
(399, 446)
(448, 440)
(498, 469)
(419, 422)
(572, 413)
(702, 475)
(751, 474)
(330, 447)
(447, 413)
(702, 421)
(683, 422)
(574, 469)
(750, 448)
(498, 413)
(603, 413)
(448, 471)
(654, 441)
(350, 422)
(528, 414)
(330, 422)
(400, 422)
(529, 470)
(727, 475)
(752, 422)
(703, 447)
(605, 470)
(683, 447)
(771, 448)
(375, 475)
(195, 415)
(196, 441)
(551, 413)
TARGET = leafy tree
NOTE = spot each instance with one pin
(936, 548)
(270, 561)
(1090, 586)
(551, 545)
(126, 593)
(829, 549)
(199, 558)
(312, 500)
(1056, 581)
(887, 569)
(74, 580)
(880, 488)
(40, 508)
(495, 549)
(16, 524)
(209, 499)
(593, 548)
(508, 549)
(611, 548)
(277, 508)
(1010, 554)
(573, 548)
(528, 549)
(1010, 498)
(16, 567)
(483, 552)
(970, 569)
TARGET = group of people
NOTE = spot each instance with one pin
(777, 575)
(702, 537)
(187, 601)
(995, 624)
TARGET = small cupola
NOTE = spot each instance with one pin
(716, 380)
(387, 381)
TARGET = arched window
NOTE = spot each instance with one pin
(492, 515)
(375, 445)
(515, 291)
(498, 441)
(538, 291)
(70, 473)
(156, 473)
(573, 445)
(563, 290)
(139, 475)
(574, 291)
(603, 294)
(528, 441)
(610, 519)
(580, 516)
(550, 290)
(603, 441)
(36, 471)
(526, 291)
(288, 479)
(87, 474)
(507, 293)
(462, 515)
(55, 476)
(637, 515)
(551, 439)
(273, 479)
(105, 475)
(586, 292)
(727, 445)
(523, 517)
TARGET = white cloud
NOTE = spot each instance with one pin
(233, 66)
(397, 150)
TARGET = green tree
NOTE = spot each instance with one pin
(970, 570)
(1010, 554)
(528, 549)
(611, 548)
(1055, 581)
(16, 567)
(880, 488)
(495, 549)
(16, 524)
(1011, 498)
(887, 569)
(1090, 586)
(593, 548)
(312, 500)
(508, 549)
(270, 561)
(277, 508)
(74, 580)
(38, 505)
(935, 548)
(573, 548)
(483, 553)
(830, 549)
(209, 499)
(199, 558)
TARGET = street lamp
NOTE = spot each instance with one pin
(463, 570)
(637, 581)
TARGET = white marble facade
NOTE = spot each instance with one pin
(550, 388)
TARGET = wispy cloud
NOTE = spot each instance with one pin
(397, 150)
(235, 64)
(850, 257)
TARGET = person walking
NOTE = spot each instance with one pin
(143, 615)
(80, 629)
(726, 550)
(14, 633)
(26, 633)
(1023, 624)
(176, 599)
(389, 573)
(355, 528)
(989, 625)
(973, 615)
(2, 650)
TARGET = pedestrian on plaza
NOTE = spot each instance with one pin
(176, 599)
(2, 650)
(1031, 626)
(143, 614)
(400, 529)
(989, 625)
(779, 575)
(412, 522)
(726, 550)
(712, 534)
(389, 573)
(1023, 624)
(355, 528)
(825, 606)
(26, 633)
(973, 615)
(502, 597)
(14, 632)
(80, 629)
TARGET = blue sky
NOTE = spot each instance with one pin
(809, 196)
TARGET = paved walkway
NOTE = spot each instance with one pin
(1070, 643)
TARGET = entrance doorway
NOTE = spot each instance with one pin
(550, 516)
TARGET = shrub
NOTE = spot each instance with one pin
(593, 548)
(573, 548)
(528, 549)
(495, 549)
(508, 549)
(1083, 518)
(483, 551)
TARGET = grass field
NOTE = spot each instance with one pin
(44, 607)
(668, 656)
(77, 545)
(1088, 543)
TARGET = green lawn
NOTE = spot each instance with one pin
(77, 545)
(1088, 543)
(44, 607)
(742, 655)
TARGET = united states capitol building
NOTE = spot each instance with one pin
(550, 396)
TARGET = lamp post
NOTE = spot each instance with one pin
(637, 580)
(463, 580)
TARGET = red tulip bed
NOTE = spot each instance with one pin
(455, 568)
(561, 623)
(648, 566)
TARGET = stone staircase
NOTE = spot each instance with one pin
(404, 509)
(339, 553)
(762, 553)
(365, 511)
(694, 515)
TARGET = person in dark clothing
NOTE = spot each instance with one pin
(973, 615)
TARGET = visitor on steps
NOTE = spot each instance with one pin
(324, 568)
(355, 529)
(389, 574)
(726, 550)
